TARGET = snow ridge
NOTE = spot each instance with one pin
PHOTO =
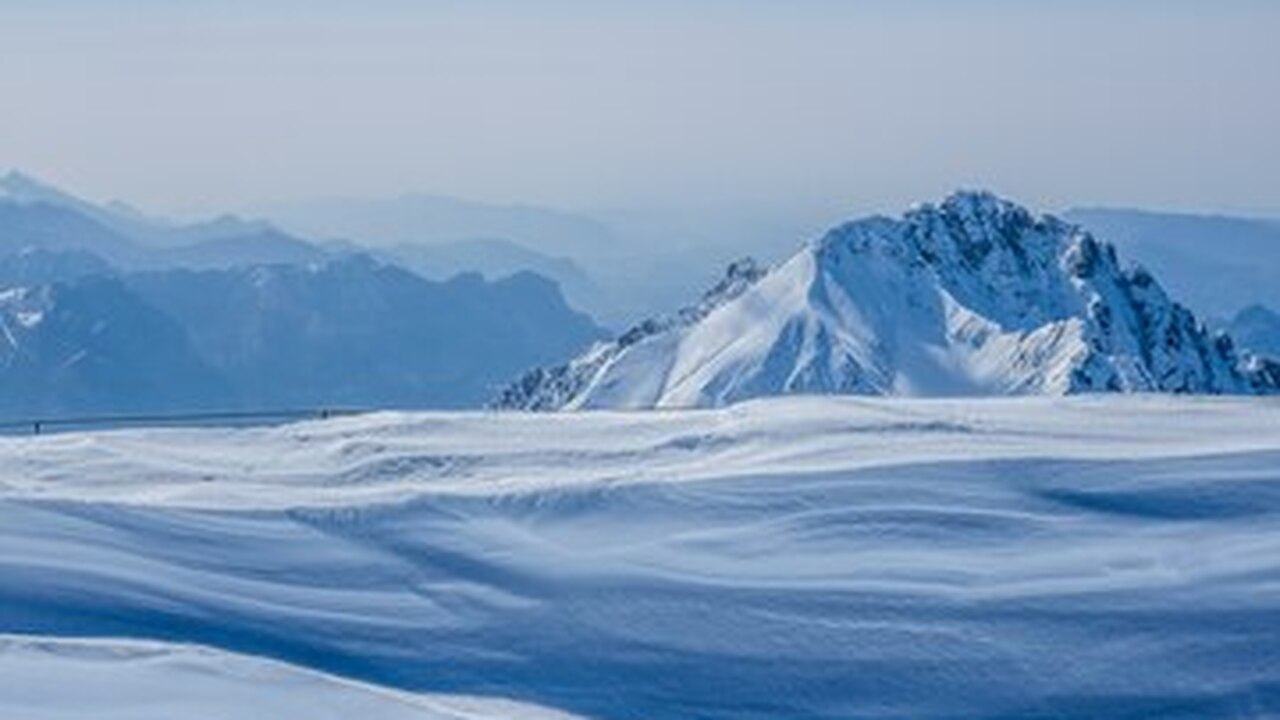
(550, 388)
(973, 296)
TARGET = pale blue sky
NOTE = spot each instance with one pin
(723, 105)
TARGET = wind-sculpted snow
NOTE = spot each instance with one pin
(819, 558)
(60, 678)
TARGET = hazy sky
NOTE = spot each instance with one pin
(194, 105)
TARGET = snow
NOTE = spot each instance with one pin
(29, 318)
(398, 457)
(52, 679)
(971, 297)
(21, 310)
(1093, 556)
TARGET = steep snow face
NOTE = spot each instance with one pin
(975, 296)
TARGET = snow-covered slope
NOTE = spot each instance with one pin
(57, 679)
(1091, 557)
(974, 296)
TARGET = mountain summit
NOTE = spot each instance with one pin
(973, 296)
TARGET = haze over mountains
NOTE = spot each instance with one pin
(631, 274)
(431, 220)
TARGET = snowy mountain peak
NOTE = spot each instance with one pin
(972, 296)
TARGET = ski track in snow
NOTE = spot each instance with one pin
(819, 558)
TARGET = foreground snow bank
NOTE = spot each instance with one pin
(823, 558)
(50, 679)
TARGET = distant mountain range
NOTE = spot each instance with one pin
(42, 226)
(496, 258)
(107, 313)
(432, 220)
(349, 332)
(437, 236)
(36, 215)
(354, 331)
(124, 221)
(974, 296)
(106, 308)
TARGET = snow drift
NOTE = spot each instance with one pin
(1091, 557)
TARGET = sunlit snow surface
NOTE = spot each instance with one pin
(817, 558)
(130, 680)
